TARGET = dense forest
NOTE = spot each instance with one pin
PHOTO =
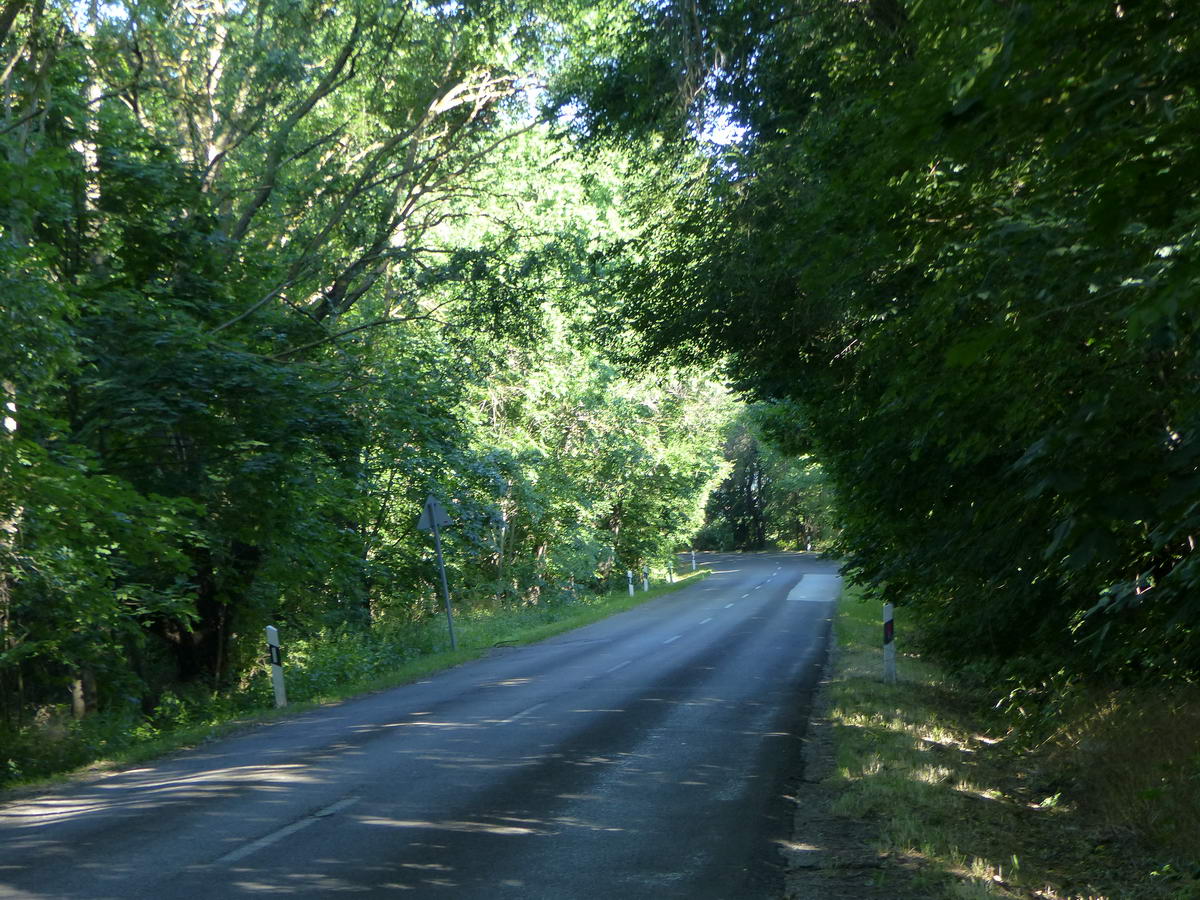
(272, 273)
(953, 247)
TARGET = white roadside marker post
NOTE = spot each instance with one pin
(645, 578)
(276, 666)
(629, 575)
(889, 644)
(693, 560)
(671, 571)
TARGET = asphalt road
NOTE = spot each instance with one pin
(644, 756)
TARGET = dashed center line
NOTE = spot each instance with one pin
(521, 714)
(618, 666)
(275, 836)
(706, 621)
(744, 596)
(526, 711)
(727, 605)
(677, 637)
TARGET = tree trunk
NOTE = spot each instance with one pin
(10, 523)
(202, 651)
(83, 693)
(86, 145)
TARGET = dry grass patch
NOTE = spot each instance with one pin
(1137, 758)
(1108, 810)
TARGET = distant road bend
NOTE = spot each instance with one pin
(647, 755)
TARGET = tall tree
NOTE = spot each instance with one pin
(281, 272)
(967, 255)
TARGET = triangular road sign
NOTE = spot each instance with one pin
(433, 513)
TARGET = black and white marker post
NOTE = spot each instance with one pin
(276, 666)
(889, 644)
(434, 518)
(629, 575)
(693, 560)
(645, 578)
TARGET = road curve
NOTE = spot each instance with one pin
(644, 756)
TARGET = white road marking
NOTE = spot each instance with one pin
(522, 713)
(677, 637)
(744, 596)
(276, 836)
(816, 589)
(727, 605)
(706, 621)
(617, 666)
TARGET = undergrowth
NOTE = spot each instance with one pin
(1103, 804)
(331, 665)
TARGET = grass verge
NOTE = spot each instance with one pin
(328, 669)
(1103, 807)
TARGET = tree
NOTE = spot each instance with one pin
(281, 274)
(771, 498)
(965, 257)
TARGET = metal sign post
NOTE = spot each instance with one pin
(276, 666)
(434, 518)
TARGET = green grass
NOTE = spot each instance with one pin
(978, 813)
(326, 669)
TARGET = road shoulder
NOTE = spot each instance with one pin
(832, 856)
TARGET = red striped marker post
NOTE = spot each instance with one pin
(889, 644)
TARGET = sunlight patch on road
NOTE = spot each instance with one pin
(451, 825)
(149, 793)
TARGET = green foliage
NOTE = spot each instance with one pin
(770, 498)
(272, 276)
(323, 665)
(966, 257)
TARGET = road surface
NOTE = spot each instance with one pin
(647, 755)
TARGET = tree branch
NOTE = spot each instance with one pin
(7, 15)
(374, 323)
(275, 156)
